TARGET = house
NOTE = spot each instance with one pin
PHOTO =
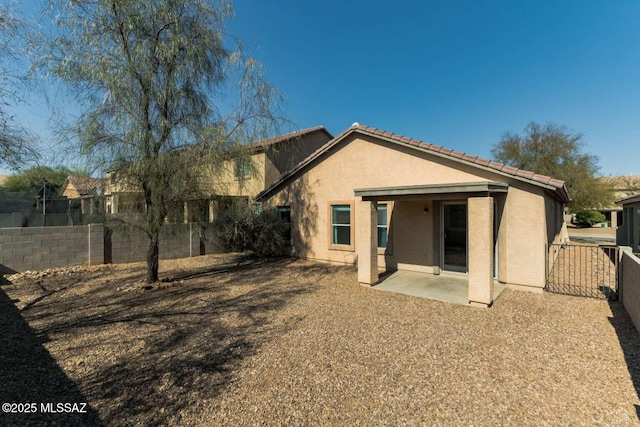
(385, 201)
(239, 179)
(628, 233)
(87, 190)
(622, 187)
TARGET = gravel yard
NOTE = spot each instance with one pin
(227, 342)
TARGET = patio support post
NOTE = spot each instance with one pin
(367, 241)
(480, 224)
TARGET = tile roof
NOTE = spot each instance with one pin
(632, 199)
(520, 174)
(263, 143)
(85, 185)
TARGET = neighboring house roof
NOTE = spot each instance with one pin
(632, 199)
(274, 141)
(263, 143)
(547, 182)
(85, 186)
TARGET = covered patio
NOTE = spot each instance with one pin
(444, 287)
(478, 235)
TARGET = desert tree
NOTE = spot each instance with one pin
(557, 151)
(166, 96)
(17, 145)
(29, 181)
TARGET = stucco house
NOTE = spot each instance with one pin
(628, 233)
(388, 202)
(88, 190)
(240, 178)
(622, 187)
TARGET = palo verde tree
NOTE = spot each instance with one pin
(17, 146)
(166, 95)
(557, 151)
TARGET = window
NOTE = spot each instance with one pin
(284, 212)
(243, 168)
(341, 224)
(382, 226)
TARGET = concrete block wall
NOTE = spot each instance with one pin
(630, 285)
(132, 245)
(38, 248)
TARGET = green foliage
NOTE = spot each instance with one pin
(589, 218)
(556, 151)
(30, 181)
(166, 94)
(240, 229)
(17, 146)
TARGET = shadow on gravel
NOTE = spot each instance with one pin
(629, 339)
(155, 353)
(28, 374)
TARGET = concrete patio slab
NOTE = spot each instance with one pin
(453, 288)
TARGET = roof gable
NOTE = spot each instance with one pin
(83, 185)
(547, 182)
(628, 200)
(270, 142)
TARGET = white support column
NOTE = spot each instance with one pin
(367, 241)
(480, 251)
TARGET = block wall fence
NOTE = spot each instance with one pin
(39, 248)
(630, 284)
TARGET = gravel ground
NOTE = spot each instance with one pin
(226, 342)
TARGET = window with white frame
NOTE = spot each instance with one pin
(341, 224)
(383, 226)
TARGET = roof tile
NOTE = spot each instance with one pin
(510, 170)
(525, 174)
(482, 162)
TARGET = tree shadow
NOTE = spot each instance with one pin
(299, 195)
(629, 339)
(28, 374)
(167, 350)
(3, 271)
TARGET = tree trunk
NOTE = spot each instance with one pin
(152, 260)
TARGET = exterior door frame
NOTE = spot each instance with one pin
(443, 265)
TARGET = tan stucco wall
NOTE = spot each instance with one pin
(364, 162)
(525, 221)
(630, 285)
(70, 192)
(225, 182)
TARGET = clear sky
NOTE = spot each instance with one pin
(454, 73)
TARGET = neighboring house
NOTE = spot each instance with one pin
(391, 202)
(628, 233)
(239, 179)
(89, 191)
(622, 187)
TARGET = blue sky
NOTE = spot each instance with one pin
(453, 73)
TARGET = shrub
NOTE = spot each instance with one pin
(589, 218)
(240, 229)
(268, 234)
(234, 228)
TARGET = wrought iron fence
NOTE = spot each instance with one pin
(583, 270)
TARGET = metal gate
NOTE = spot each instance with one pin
(583, 270)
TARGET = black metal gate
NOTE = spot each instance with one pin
(583, 270)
